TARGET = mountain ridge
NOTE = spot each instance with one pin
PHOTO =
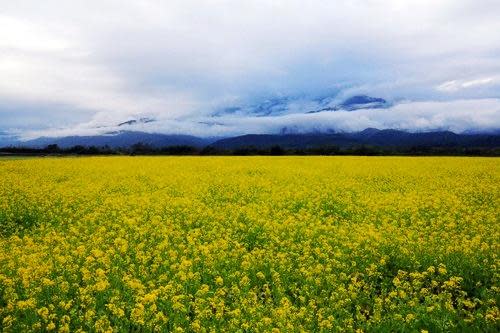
(369, 136)
(121, 139)
(374, 137)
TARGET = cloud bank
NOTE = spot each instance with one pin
(78, 66)
(456, 116)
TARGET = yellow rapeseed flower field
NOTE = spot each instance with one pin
(249, 244)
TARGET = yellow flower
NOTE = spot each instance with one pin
(442, 269)
(7, 321)
(43, 312)
(195, 326)
(219, 281)
(137, 314)
(101, 285)
(253, 243)
(64, 329)
(51, 326)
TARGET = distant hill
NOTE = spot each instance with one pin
(368, 137)
(6, 139)
(120, 139)
(371, 136)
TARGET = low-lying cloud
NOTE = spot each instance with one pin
(462, 116)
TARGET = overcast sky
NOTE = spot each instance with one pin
(76, 67)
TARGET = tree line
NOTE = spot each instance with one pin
(145, 149)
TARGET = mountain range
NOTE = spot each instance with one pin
(129, 132)
(370, 136)
(121, 139)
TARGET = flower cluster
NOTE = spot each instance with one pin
(249, 244)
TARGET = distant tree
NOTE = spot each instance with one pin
(210, 150)
(178, 150)
(366, 150)
(276, 150)
(93, 150)
(78, 149)
(53, 148)
(140, 148)
(324, 150)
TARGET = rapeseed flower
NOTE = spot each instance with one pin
(283, 244)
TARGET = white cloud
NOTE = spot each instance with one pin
(39, 67)
(176, 60)
(458, 116)
(455, 85)
(19, 34)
